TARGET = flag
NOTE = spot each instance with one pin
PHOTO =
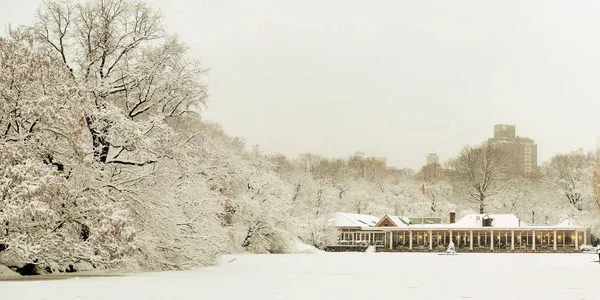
(423, 191)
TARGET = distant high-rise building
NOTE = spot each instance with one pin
(503, 131)
(362, 155)
(578, 151)
(381, 159)
(359, 154)
(433, 158)
(521, 152)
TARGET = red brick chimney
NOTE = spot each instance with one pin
(452, 217)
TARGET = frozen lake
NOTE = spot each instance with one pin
(344, 276)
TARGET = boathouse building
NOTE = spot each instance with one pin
(472, 233)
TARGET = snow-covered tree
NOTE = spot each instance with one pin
(54, 210)
(437, 187)
(572, 176)
(132, 77)
(481, 174)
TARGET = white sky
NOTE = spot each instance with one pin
(395, 78)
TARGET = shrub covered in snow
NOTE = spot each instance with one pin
(46, 221)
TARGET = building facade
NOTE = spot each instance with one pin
(577, 152)
(521, 152)
(433, 158)
(472, 233)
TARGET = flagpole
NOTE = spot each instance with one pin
(423, 213)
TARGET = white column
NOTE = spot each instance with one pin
(410, 240)
(430, 240)
(554, 246)
(492, 240)
(533, 244)
(512, 240)
(471, 240)
(576, 240)
(391, 236)
(478, 239)
(585, 237)
(521, 239)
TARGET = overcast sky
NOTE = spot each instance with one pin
(391, 78)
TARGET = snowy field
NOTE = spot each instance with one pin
(344, 276)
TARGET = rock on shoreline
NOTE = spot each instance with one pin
(6, 272)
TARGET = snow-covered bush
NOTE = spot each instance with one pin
(318, 233)
(47, 221)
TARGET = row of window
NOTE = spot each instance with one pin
(483, 238)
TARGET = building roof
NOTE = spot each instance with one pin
(400, 221)
(397, 220)
(503, 221)
(421, 220)
(340, 219)
(566, 223)
(498, 220)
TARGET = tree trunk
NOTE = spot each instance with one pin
(481, 206)
(101, 146)
(246, 241)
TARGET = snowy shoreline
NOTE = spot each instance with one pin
(301, 249)
(57, 276)
(225, 259)
(7, 274)
(14, 276)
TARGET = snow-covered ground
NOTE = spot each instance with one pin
(300, 247)
(344, 276)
